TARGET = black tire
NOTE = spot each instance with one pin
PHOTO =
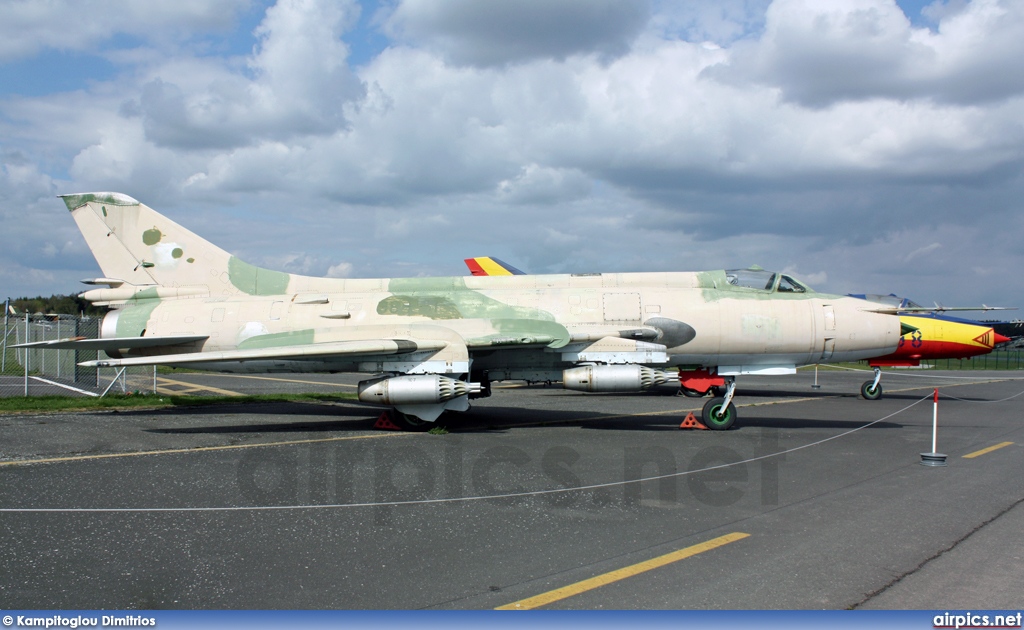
(709, 416)
(870, 394)
(408, 422)
(692, 393)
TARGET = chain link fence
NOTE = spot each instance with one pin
(1011, 359)
(39, 372)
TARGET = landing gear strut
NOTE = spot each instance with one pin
(872, 390)
(719, 413)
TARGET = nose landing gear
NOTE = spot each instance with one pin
(872, 390)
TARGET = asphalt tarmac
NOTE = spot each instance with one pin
(536, 498)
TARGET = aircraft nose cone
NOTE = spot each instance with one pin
(998, 339)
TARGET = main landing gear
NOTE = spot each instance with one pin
(719, 413)
(408, 422)
(872, 390)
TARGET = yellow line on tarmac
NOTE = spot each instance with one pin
(987, 450)
(174, 392)
(285, 380)
(192, 387)
(614, 576)
(227, 447)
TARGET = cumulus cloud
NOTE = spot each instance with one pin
(39, 246)
(719, 23)
(340, 270)
(300, 84)
(537, 184)
(833, 138)
(497, 33)
(29, 26)
(819, 52)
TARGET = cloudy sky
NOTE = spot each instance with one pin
(863, 145)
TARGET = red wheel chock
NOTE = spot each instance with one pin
(385, 423)
(691, 422)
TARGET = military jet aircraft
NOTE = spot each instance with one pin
(434, 343)
(929, 334)
(935, 336)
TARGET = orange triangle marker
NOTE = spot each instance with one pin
(385, 423)
(691, 422)
(985, 338)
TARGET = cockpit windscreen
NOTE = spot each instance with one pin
(751, 278)
(764, 281)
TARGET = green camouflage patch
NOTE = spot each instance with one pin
(112, 199)
(447, 293)
(253, 280)
(276, 340)
(135, 314)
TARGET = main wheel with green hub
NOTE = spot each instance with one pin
(715, 417)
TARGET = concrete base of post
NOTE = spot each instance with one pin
(933, 459)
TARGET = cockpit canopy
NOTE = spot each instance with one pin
(889, 300)
(757, 278)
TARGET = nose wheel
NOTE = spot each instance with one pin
(872, 390)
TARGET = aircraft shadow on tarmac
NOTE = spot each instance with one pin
(747, 422)
(496, 419)
(282, 427)
(742, 393)
(480, 420)
(356, 417)
(276, 408)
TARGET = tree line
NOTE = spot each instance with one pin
(56, 305)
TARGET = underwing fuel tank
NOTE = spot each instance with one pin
(417, 389)
(614, 378)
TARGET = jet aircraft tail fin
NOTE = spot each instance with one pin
(490, 266)
(136, 245)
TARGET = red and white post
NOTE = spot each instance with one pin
(934, 458)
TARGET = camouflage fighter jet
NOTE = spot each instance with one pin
(434, 343)
(929, 334)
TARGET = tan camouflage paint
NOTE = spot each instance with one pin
(166, 281)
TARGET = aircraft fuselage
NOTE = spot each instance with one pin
(551, 320)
